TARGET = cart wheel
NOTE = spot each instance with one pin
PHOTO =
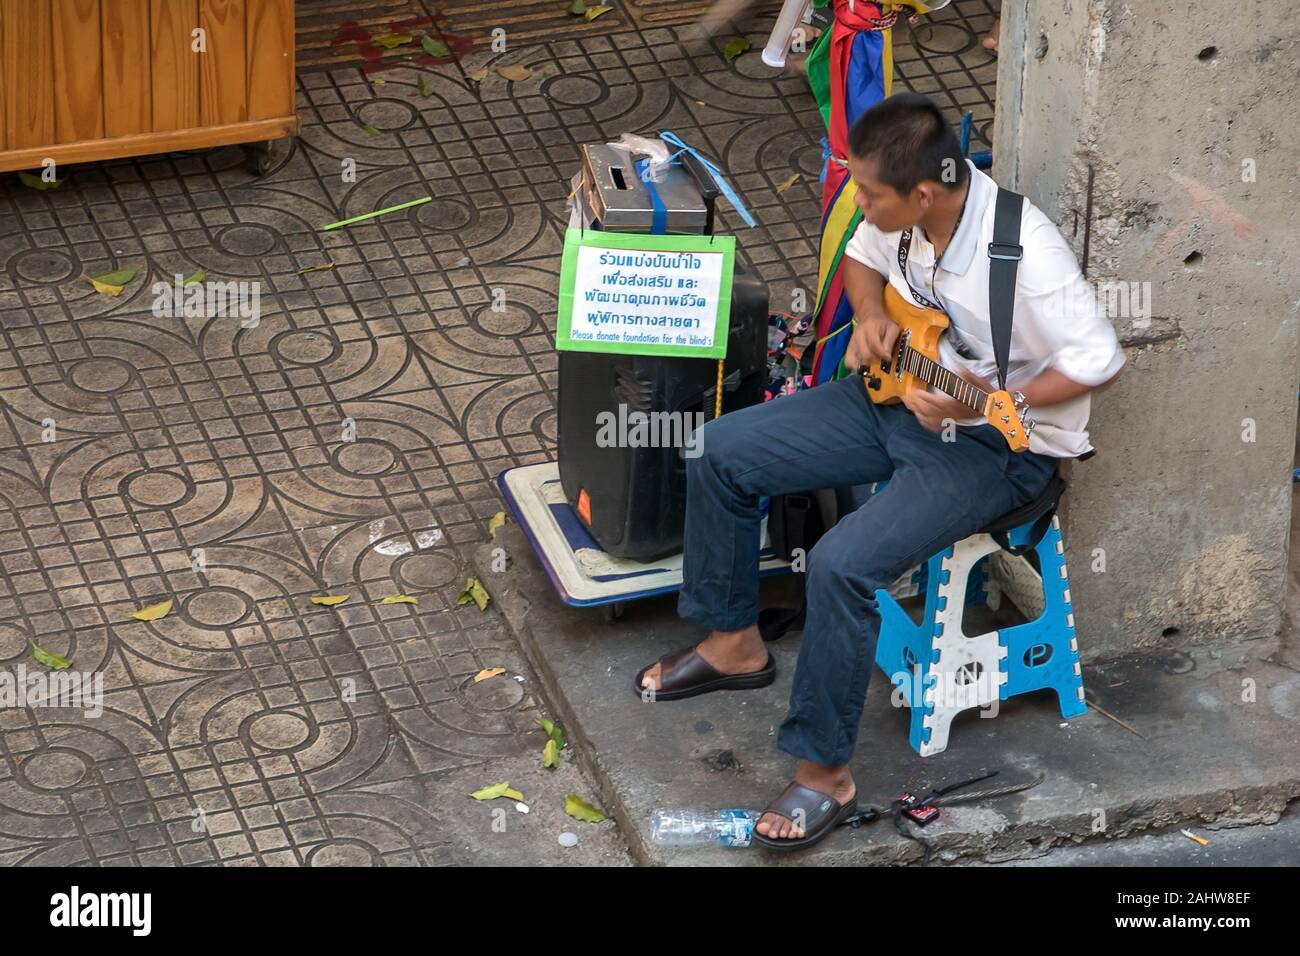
(257, 157)
(614, 612)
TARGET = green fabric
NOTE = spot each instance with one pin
(819, 75)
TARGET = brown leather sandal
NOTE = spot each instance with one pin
(685, 673)
(821, 815)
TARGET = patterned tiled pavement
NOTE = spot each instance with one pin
(250, 726)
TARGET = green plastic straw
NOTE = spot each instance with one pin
(377, 212)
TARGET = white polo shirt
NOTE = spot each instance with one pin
(1057, 323)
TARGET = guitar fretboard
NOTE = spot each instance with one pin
(930, 371)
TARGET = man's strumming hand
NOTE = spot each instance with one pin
(874, 338)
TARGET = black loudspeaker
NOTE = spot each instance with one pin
(633, 499)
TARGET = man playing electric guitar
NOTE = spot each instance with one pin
(927, 225)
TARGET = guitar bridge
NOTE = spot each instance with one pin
(904, 339)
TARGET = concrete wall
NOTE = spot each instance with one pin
(1123, 126)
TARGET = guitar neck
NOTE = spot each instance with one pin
(951, 384)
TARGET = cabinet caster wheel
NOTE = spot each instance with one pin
(614, 612)
(257, 158)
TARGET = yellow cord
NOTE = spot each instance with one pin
(717, 400)
(852, 323)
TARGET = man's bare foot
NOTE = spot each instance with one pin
(990, 42)
(728, 652)
(835, 782)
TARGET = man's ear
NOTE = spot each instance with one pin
(924, 193)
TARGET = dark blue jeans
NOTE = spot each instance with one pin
(939, 492)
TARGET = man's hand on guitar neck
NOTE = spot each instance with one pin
(935, 409)
(1047, 388)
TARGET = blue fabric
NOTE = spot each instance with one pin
(837, 345)
(672, 139)
(864, 87)
(831, 436)
(659, 212)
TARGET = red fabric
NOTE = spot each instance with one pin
(848, 24)
(834, 289)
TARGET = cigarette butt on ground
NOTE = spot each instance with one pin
(1192, 836)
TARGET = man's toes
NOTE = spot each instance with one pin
(651, 677)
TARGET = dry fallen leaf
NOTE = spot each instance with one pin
(736, 47)
(423, 86)
(580, 809)
(497, 790)
(323, 267)
(435, 48)
(787, 184)
(329, 600)
(515, 74)
(194, 278)
(105, 289)
(498, 520)
(398, 599)
(479, 75)
(594, 12)
(553, 731)
(112, 283)
(489, 672)
(36, 182)
(51, 660)
(390, 40)
(474, 591)
(153, 612)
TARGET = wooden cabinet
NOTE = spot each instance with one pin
(85, 80)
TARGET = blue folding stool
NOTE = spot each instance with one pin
(939, 671)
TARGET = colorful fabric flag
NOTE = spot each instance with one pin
(850, 70)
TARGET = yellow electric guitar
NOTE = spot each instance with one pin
(915, 364)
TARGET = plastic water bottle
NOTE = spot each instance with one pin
(674, 826)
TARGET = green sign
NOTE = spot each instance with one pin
(645, 294)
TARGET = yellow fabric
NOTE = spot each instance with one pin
(837, 223)
(887, 59)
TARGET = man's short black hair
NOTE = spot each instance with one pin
(910, 142)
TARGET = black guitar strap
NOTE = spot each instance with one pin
(1004, 255)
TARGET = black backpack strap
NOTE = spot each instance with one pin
(786, 520)
(775, 622)
(1005, 252)
(1035, 535)
(1040, 511)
